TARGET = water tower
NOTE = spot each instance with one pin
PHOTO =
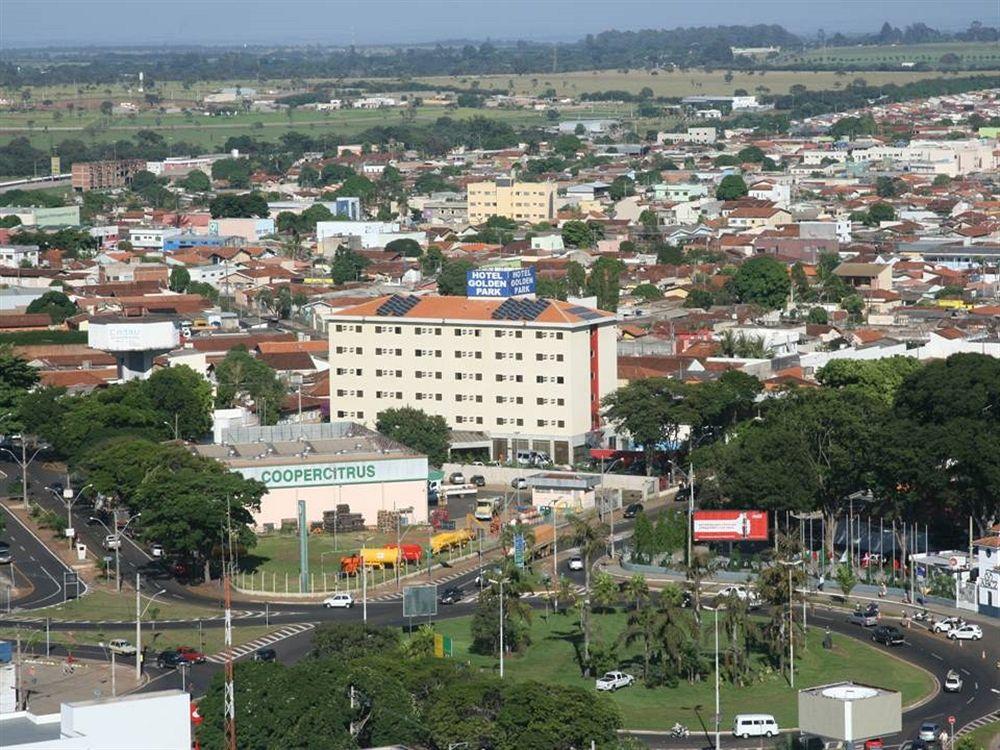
(133, 342)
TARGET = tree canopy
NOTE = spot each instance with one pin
(763, 281)
(418, 430)
(246, 381)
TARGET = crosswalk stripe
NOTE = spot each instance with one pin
(266, 640)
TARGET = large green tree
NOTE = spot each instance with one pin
(17, 377)
(414, 428)
(451, 279)
(809, 452)
(731, 187)
(940, 457)
(183, 398)
(243, 205)
(244, 380)
(763, 281)
(877, 379)
(651, 411)
(604, 282)
(55, 304)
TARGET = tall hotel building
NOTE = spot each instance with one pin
(528, 374)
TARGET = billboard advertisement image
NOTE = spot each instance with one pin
(499, 282)
(730, 526)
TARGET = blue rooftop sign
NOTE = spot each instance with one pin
(500, 282)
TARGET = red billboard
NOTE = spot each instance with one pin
(730, 525)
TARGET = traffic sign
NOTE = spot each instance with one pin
(519, 550)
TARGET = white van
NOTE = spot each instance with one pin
(754, 725)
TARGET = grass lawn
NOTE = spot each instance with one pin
(107, 605)
(986, 736)
(551, 658)
(207, 639)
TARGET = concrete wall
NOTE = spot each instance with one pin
(367, 499)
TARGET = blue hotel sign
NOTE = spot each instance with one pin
(500, 282)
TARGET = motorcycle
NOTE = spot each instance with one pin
(679, 730)
(921, 616)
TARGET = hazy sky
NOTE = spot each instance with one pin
(53, 22)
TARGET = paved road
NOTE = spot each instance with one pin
(933, 653)
(34, 565)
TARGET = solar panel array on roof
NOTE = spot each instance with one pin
(520, 309)
(398, 305)
(584, 312)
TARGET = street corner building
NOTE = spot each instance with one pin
(508, 375)
(333, 467)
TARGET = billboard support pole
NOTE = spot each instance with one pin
(303, 549)
(690, 511)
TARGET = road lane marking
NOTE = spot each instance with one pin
(936, 656)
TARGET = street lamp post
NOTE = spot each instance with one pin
(501, 582)
(604, 503)
(718, 716)
(68, 498)
(138, 625)
(791, 618)
(23, 463)
(117, 534)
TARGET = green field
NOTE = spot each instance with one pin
(676, 83)
(980, 54)
(551, 658)
(210, 133)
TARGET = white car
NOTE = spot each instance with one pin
(339, 601)
(156, 550)
(947, 625)
(575, 563)
(112, 541)
(119, 646)
(953, 682)
(519, 483)
(966, 633)
(742, 593)
(612, 681)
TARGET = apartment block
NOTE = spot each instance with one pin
(514, 374)
(102, 175)
(521, 201)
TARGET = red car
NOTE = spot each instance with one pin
(874, 744)
(191, 655)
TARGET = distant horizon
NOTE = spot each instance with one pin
(133, 24)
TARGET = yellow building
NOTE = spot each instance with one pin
(521, 201)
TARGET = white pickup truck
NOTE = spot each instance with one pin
(120, 646)
(612, 681)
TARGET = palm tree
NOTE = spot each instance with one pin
(671, 629)
(591, 540)
(637, 590)
(605, 591)
(565, 593)
(643, 627)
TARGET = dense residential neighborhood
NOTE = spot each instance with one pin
(513, 414)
